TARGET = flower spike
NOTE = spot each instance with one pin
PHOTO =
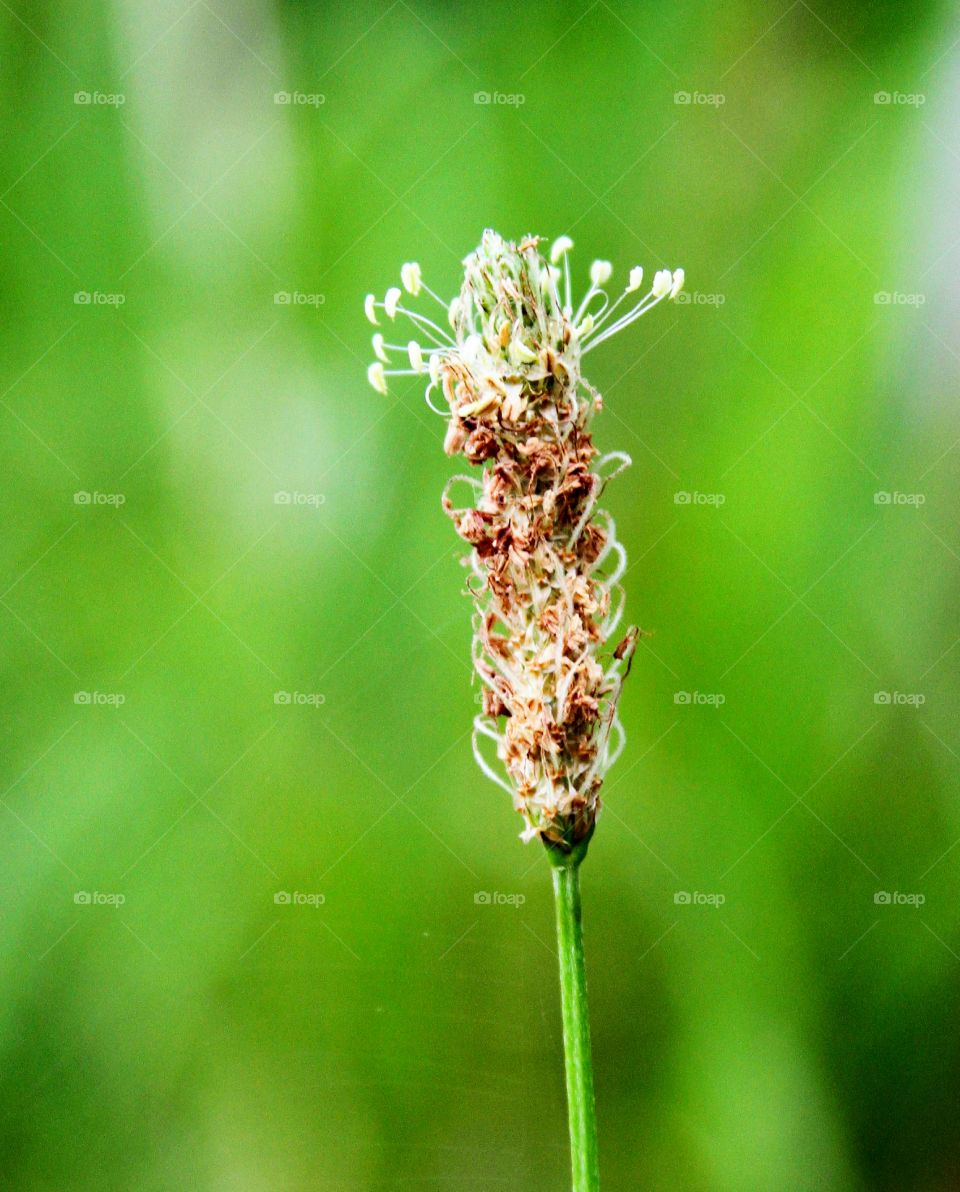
(545, 563)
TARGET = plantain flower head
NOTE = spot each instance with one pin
(504, 362)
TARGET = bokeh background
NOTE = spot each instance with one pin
(771, 900)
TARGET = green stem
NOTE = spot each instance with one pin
(576, 1026)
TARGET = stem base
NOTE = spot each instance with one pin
(576, 1027)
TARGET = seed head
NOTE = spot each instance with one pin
(545, 563)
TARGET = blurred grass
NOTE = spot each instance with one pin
(401, 1035)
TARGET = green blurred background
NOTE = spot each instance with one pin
(165, 1021)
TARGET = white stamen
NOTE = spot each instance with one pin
(391, 301)
(561, 246)
(377, 377)
(481, 728)
(600, 273)
(661, 283)
(410, 277)
(612, 754)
